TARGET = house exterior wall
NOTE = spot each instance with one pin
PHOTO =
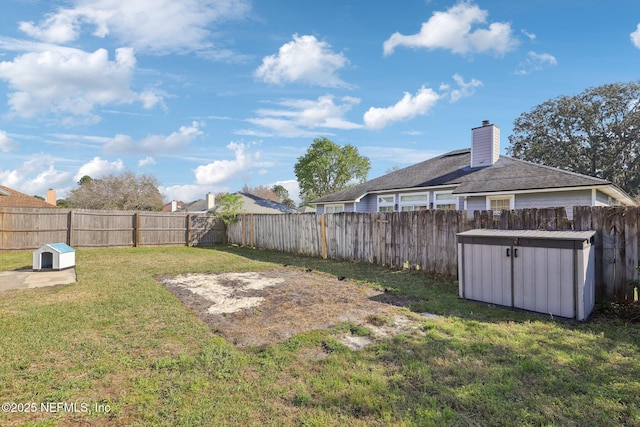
(603, 199)
(554, 199)
(348, 207)
(568, 199)
(476, 203)
(367, 203)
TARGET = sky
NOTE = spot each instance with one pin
(213, 95)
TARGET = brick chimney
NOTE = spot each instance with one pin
(485, 145)
(51, 197)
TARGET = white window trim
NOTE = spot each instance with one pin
(453, 200)
(414, 203)
(511, 197)
(385, 204)
(334, 205)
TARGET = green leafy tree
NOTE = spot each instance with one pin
(283, 195)
(596, 133)
(84, 180)
(328, 167)
(228, 206)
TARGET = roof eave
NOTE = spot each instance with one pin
(609, 189)
(618, 194)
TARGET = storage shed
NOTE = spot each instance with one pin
(549, 272)
(54, 256)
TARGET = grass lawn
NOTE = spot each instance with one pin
(126, 351)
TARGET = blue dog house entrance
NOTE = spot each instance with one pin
(54, 256)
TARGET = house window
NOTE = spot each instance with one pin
(499, 203)
(386, 203)
(445, 200)
(329, 209)
(414, 202)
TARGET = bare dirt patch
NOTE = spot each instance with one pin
(253, 309)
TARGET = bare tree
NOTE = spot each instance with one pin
(127, 191)
(261, 191)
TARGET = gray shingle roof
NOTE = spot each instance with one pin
(250, 204)
(255, 204)
(453, 168)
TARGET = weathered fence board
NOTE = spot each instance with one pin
(426, 240)
(28, 228)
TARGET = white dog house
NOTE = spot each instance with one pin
(54, 256)
(549, 272)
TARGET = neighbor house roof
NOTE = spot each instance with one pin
(255, 204)
(10, 198)
(250, 204)
(453, 170)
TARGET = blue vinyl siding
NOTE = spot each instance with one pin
(367, 204)
(568, 199)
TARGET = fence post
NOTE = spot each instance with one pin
(136, 234)
(323, 236)
(187, 228)
(70, 228)
(244, 229)
(251, 240)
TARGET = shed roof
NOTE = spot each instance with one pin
(530, 234)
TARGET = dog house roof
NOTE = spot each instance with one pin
(61, 248)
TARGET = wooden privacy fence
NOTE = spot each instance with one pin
(29, 228)
(426, 240)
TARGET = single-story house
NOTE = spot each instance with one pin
(476, 178)
(250, 204)
(10, 198)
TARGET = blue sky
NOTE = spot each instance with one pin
(210, 95)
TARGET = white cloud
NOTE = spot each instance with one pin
(635, 37)
(453, 30)
(301, 117)
(157, 26)
(71, 82)
(36, 176)
(11, 178)
(189, 192)
(304, 60)
(535, 62)
(463, 89)
(6, 143)
(220, 171)
(176, 141)
(146, 161)
(408, 107)
(97, 168)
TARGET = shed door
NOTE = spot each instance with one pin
(487, 273)
(543, 280)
